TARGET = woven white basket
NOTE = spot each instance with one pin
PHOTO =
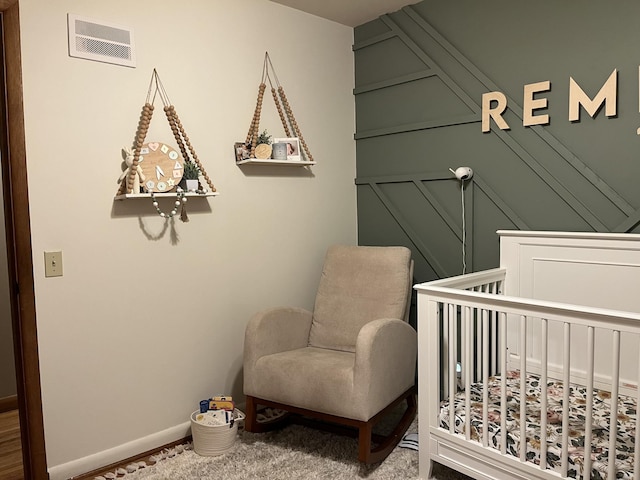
(213, 440)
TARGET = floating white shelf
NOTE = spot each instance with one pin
(164, 195)
(270, 161)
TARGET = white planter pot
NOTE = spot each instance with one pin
(192, 185)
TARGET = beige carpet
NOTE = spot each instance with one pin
(294, 452)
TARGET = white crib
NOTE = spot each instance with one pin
(562, 309)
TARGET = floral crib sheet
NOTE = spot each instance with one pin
(600, 435)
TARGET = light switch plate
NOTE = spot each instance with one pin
(52, 264)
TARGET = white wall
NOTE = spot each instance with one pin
(140, 327)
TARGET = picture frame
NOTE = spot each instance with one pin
(241, 151)
(293, 148)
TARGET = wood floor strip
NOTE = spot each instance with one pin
(10, 446)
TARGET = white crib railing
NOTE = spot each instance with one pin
(465, 327)
(471, 328)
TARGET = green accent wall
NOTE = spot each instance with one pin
(419, 78)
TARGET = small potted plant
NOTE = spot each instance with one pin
(263, 147)
(191, 176)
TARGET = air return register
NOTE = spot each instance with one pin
(101, 41)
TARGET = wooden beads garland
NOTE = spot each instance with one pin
(254, 121)
(141, 134)
(252, 137)
(182, 138)
(174, 128)
(280, 112)
(294, 124)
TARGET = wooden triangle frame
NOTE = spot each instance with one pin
(282, 105)
(184, 145)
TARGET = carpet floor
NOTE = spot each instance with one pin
(295, 452)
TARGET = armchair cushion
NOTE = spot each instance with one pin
(358, 285)
(310, 377)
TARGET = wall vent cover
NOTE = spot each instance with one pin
(101, 41)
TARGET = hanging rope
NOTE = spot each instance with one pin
(282, 105)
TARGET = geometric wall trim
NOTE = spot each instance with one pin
(418, 109)
(429, 198)
(543, 133)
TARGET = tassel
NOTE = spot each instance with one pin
(183, 213)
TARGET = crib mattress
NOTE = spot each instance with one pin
(600, 436)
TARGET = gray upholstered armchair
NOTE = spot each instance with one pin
(351, 360)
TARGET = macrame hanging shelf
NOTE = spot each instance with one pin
(131, 181)
(285, 112)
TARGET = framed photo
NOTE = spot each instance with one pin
(241, 151)
(293, 148)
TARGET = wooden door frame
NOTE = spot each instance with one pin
(19, 251)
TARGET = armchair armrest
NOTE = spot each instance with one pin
(385, 362)
(274, 330)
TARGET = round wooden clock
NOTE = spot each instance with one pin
(162, 167)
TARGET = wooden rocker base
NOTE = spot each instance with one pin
(367, 452)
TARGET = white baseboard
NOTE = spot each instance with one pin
(119, 453)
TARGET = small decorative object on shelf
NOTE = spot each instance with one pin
(157, 168)
(191, 176)
(263, 148)
(291, 148)
(255, 149)
(162, 167)
(138, 176)
(279, 151)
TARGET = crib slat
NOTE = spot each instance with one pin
(503, 383)
(523, 388)
(485, 377)
(467, 372)
(589, 413)
(494, 344)
(478, 348)
(444, 356)
(613, 420)
(453, 342)
(463, 345)
(544, 391)
(472, 344)
(566, 365)
(494, 334)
